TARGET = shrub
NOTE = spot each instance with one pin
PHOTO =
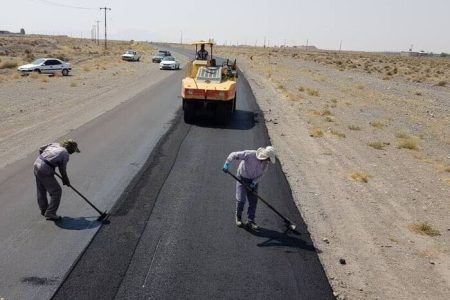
(424, 229)
(312, 92)
(442, 83)
(402, 135)
(316, 132)
(377, 145)
(8, 65)
(362, 177)
(409, 143)
(377, 124)
(337, 133)
(354, 127)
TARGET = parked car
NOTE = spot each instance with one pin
(169, 63)
(46, 66)
(160, 55)
(131, 55)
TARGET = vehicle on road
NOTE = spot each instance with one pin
(209, 87)
(46, 66)
(160, 55)
(131, 55)
(169, 63)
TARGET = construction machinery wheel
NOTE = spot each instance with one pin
(189, 112)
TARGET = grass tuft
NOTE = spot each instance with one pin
(337, 133)
(361, 177)
(8, 65)
(408, 143)
(377, 124)
(424, 229)
(377, 145)
(312, 92)
(316, 132)
(354, 127)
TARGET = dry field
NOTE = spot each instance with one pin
(19, 50)
(364, 140)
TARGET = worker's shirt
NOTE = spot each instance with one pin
(250, 167)
(202, 54)
(56, 155)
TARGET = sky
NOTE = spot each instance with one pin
(360, 25)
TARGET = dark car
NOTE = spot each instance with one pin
(160, 55)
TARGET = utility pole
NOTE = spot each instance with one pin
(340, 46)
(98, 32)
(264, 42)
(181, 37)
(106, 9)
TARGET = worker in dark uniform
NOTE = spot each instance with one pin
(202, 54)
(51, 156)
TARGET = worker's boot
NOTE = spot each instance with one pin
(238, 221)
(52, 217)
(252, 225)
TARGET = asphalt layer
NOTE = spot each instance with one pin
(172, 233)
(35, 254)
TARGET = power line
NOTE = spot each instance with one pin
(62, 5)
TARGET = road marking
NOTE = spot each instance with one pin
(151, 264)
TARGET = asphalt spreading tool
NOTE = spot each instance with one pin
(289, 224)
(103, 215)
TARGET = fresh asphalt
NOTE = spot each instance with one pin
(172, 234)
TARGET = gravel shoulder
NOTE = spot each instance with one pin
(365, 196)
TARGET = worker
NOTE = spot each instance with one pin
(51, 156)
(254, 163)
(202, 54)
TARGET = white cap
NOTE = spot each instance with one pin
(265, 153)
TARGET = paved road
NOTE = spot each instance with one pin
(173, 235)
(36, 254)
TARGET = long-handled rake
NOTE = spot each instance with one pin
(103, 215)
(289, 224)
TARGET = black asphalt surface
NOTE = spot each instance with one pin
(172, 234)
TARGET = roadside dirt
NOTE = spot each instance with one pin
(368, 161)
(38, 109)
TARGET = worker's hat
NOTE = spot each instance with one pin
(265, 153)
(70, 144)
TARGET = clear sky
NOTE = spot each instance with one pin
(378, 25)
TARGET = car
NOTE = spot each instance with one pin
(131, 55)
(160, 55)
(169, 63)
(46, 66)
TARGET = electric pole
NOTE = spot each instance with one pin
(181, 37)
(98, 32)
(106, 9)
(340, 46)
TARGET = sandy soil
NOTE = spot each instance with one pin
(368, 161)
(37, 109)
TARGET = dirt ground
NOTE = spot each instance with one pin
(364, 141)
(368, 161)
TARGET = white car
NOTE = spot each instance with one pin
(169, 63)
(46, 66)
(131, 55)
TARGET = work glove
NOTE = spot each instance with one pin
(66, 181)
(253, 185)
(225, 167)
